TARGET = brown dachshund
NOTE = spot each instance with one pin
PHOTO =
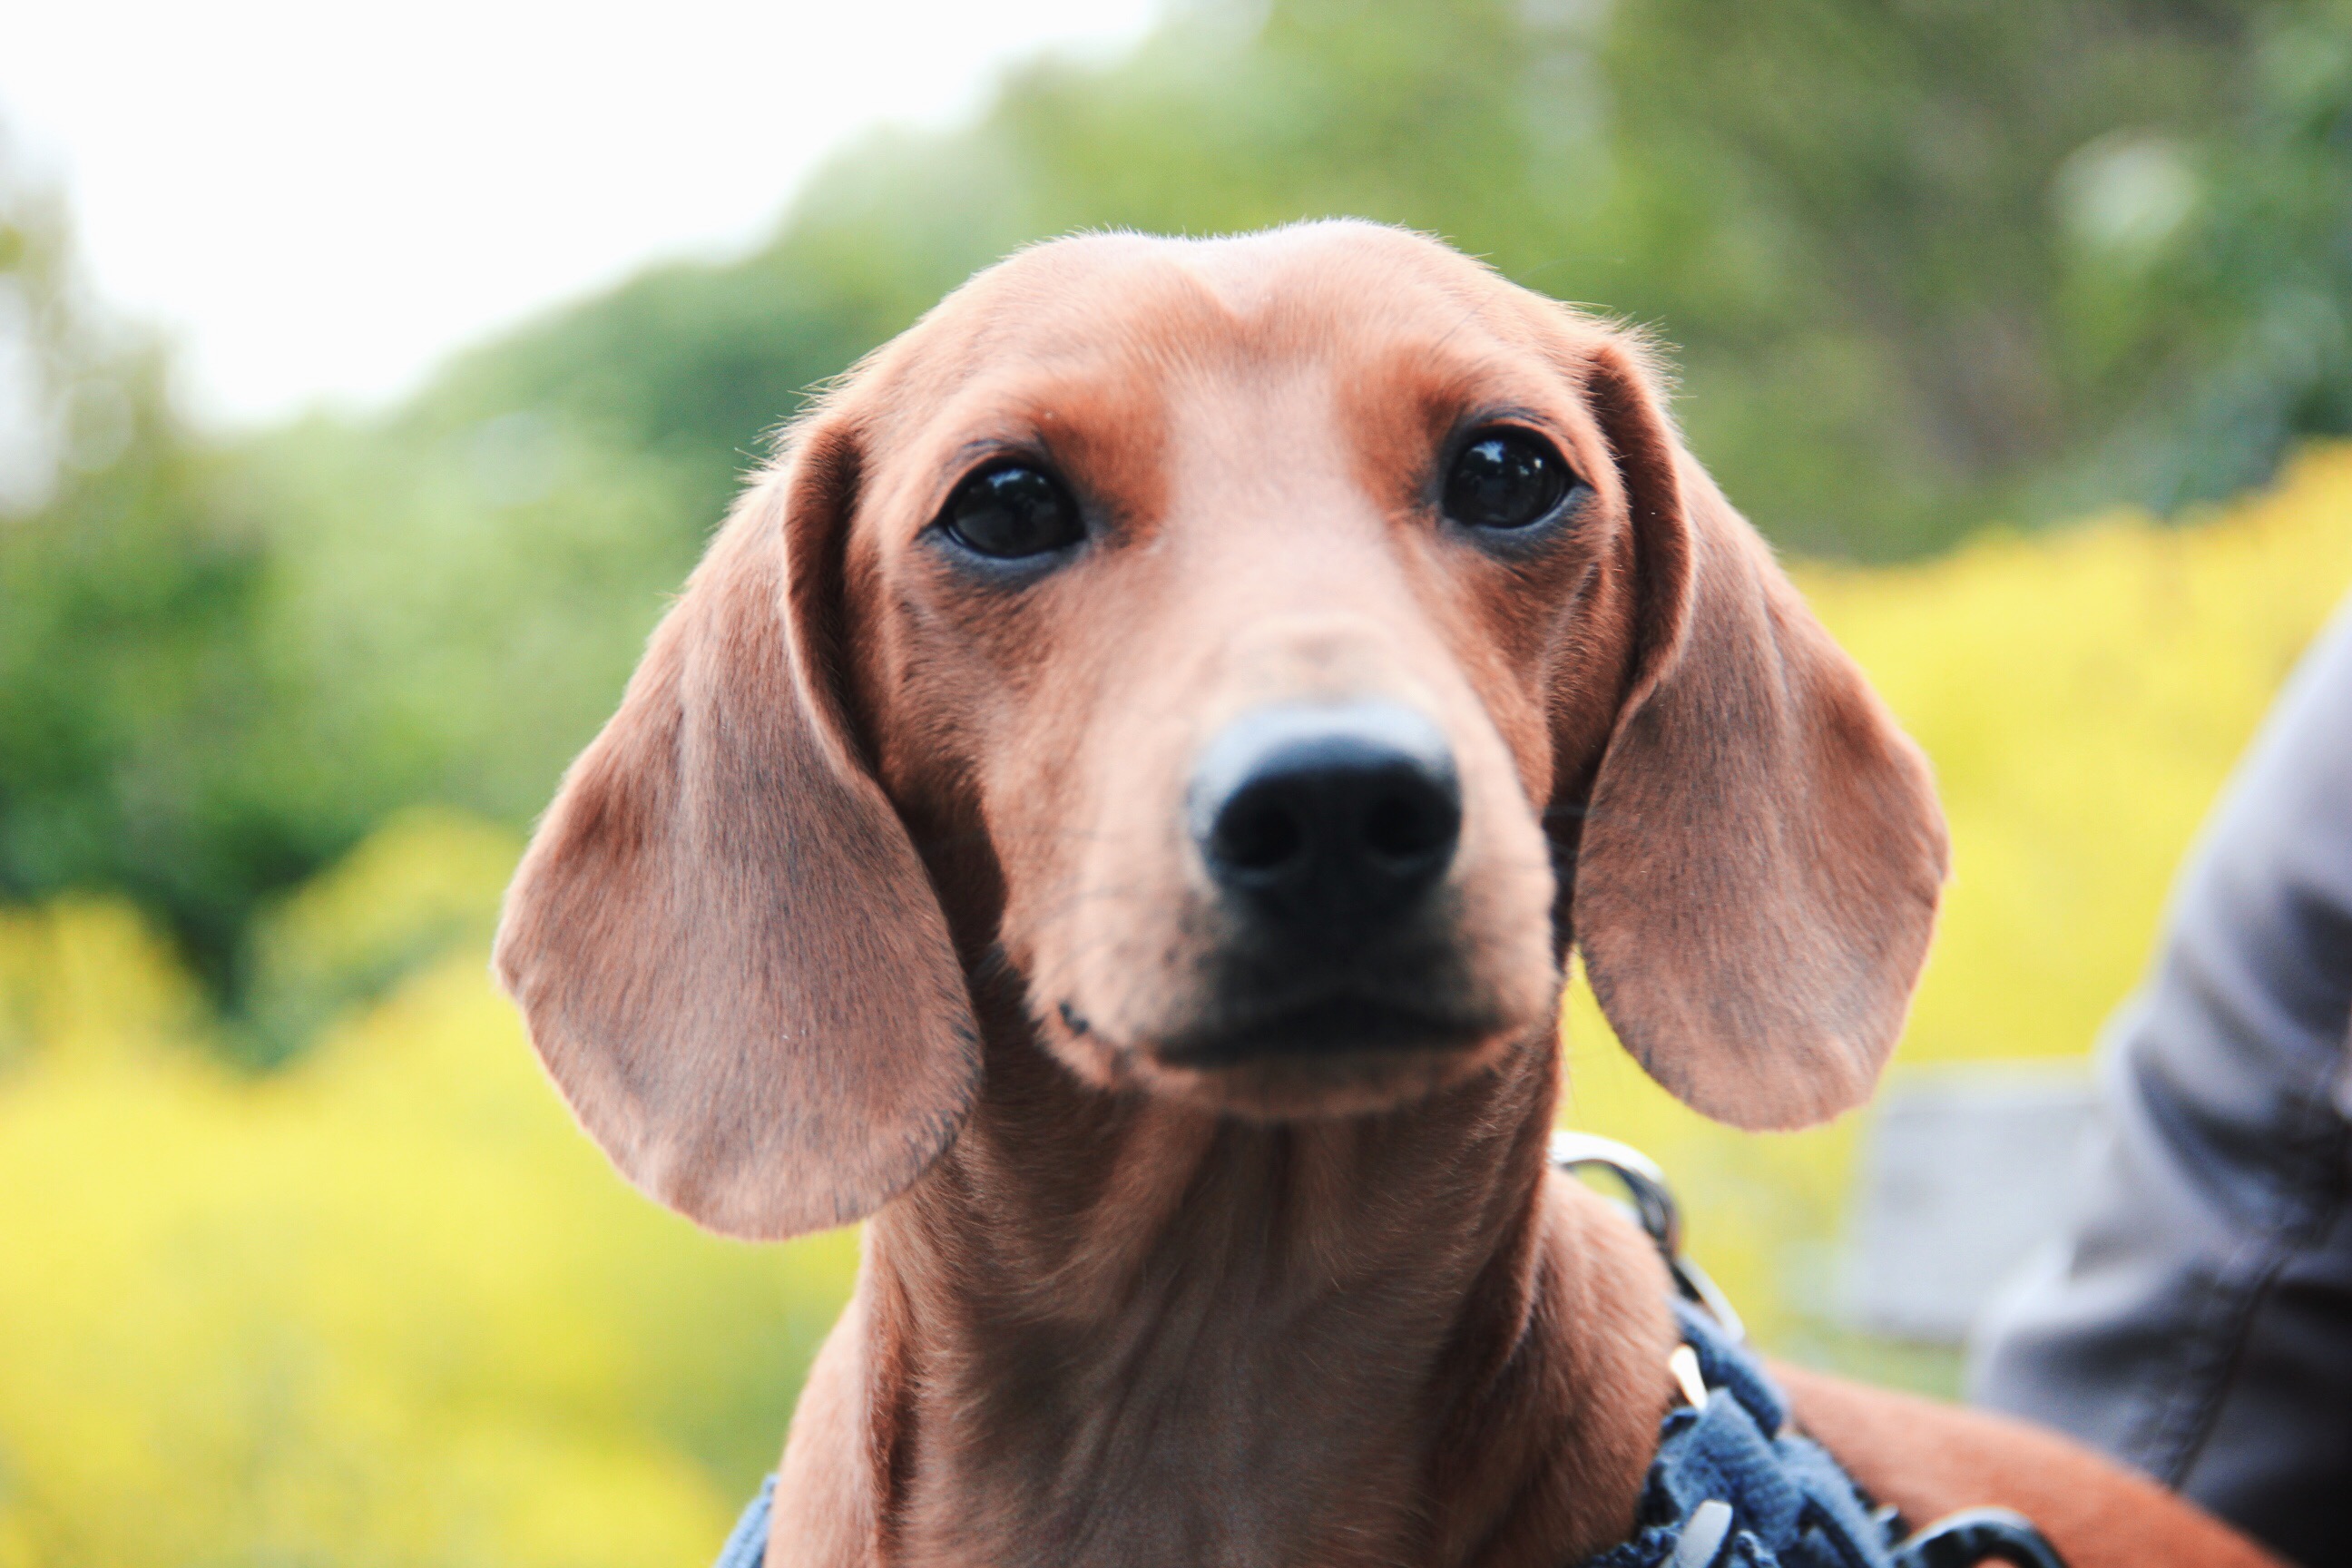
(1113, 807)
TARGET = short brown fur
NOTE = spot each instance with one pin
(875, 900)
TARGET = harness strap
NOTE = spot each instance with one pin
(1733, 1485)
(747, 1544)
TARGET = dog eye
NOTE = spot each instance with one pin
(1506, 478)
(1012, 512)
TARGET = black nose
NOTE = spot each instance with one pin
(1331, 820)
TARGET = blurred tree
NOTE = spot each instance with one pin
(1876, 235)
(221, 664)
(1903, 367)
(133, 681)
(2219, 273)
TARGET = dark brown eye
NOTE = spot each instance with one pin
(1012, 512)
(1506, 478)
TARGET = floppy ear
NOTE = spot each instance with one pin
(727, 951)
(1762, 856)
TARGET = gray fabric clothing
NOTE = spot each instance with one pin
(2199, 1323)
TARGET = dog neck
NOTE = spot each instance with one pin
(1125, 1330)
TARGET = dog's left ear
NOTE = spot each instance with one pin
(1762, 853)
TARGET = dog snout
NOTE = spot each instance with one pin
(1327, 822)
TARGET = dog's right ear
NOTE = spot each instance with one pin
(726, 949)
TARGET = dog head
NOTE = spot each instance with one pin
(1275, 650)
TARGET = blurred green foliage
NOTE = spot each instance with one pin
(1925, 267)
(131, 622)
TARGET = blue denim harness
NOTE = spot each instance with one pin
(1733, 1486)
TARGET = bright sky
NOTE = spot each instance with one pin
(321, 199)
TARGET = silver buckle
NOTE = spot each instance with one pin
(1653, 1209)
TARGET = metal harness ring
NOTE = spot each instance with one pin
(1655, 1211)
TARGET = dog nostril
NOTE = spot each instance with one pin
(1409, 823)
(1256, 833)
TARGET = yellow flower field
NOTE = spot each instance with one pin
(386, 1306)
